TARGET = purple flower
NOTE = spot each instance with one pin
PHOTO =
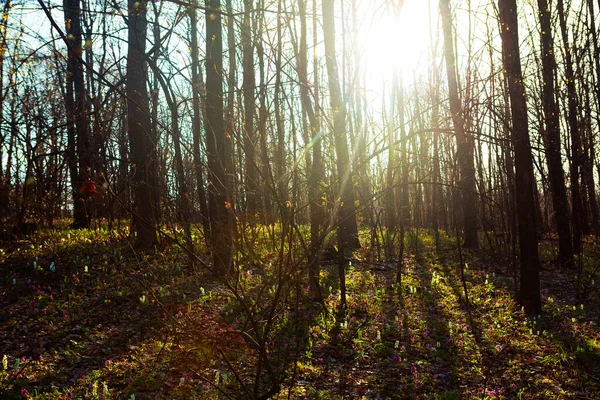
(413, 369)
(25, 393)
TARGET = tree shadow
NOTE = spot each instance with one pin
(70, 311)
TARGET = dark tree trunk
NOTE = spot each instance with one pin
(573, 105)
(4, 180)
(78, 136)
(142, 148)
(552, 138)
(528, 245)
(218, 144)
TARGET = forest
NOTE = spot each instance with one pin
(310, 199)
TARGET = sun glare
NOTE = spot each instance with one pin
(396, 39)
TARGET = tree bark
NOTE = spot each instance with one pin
(348, 230)
(464, 144)
(197, 122)
(218, 143)
(528, 246)
(248, 90)
(315, 173)
(142, 149)
(573, 105)
(78, 135)
(552, 137)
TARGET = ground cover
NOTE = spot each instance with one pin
(85, 316)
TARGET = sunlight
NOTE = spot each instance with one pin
(396, 39)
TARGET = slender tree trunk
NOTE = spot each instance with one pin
(587, 168)
(348, 230)
(464, 144)
(78, 153)
(316, 171)
(4, 180)
(404, 195)
(528, 245)
(390, 198)
(573, 105)
(280, 157)
(248, 90)
(552, 137)
(197, 123)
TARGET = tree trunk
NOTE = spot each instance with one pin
(464, 144)
(528, 245)
(248, 90)
(142, 152)
(573, 105)
(390, 198)
(4, 180)
(314, 182)
(404, 209)
(348, 230)
(197, 122)
(218, 144)
(552, 138)
(78, 135)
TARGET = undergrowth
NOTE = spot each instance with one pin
(85, 316)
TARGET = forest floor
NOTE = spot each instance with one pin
(86, 317)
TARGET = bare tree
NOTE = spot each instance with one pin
(524, 180)
(197, 122)
(552, 141)
(464, 143)
(218, 144)
(348, 230)
(142, 148)
(75, 102)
